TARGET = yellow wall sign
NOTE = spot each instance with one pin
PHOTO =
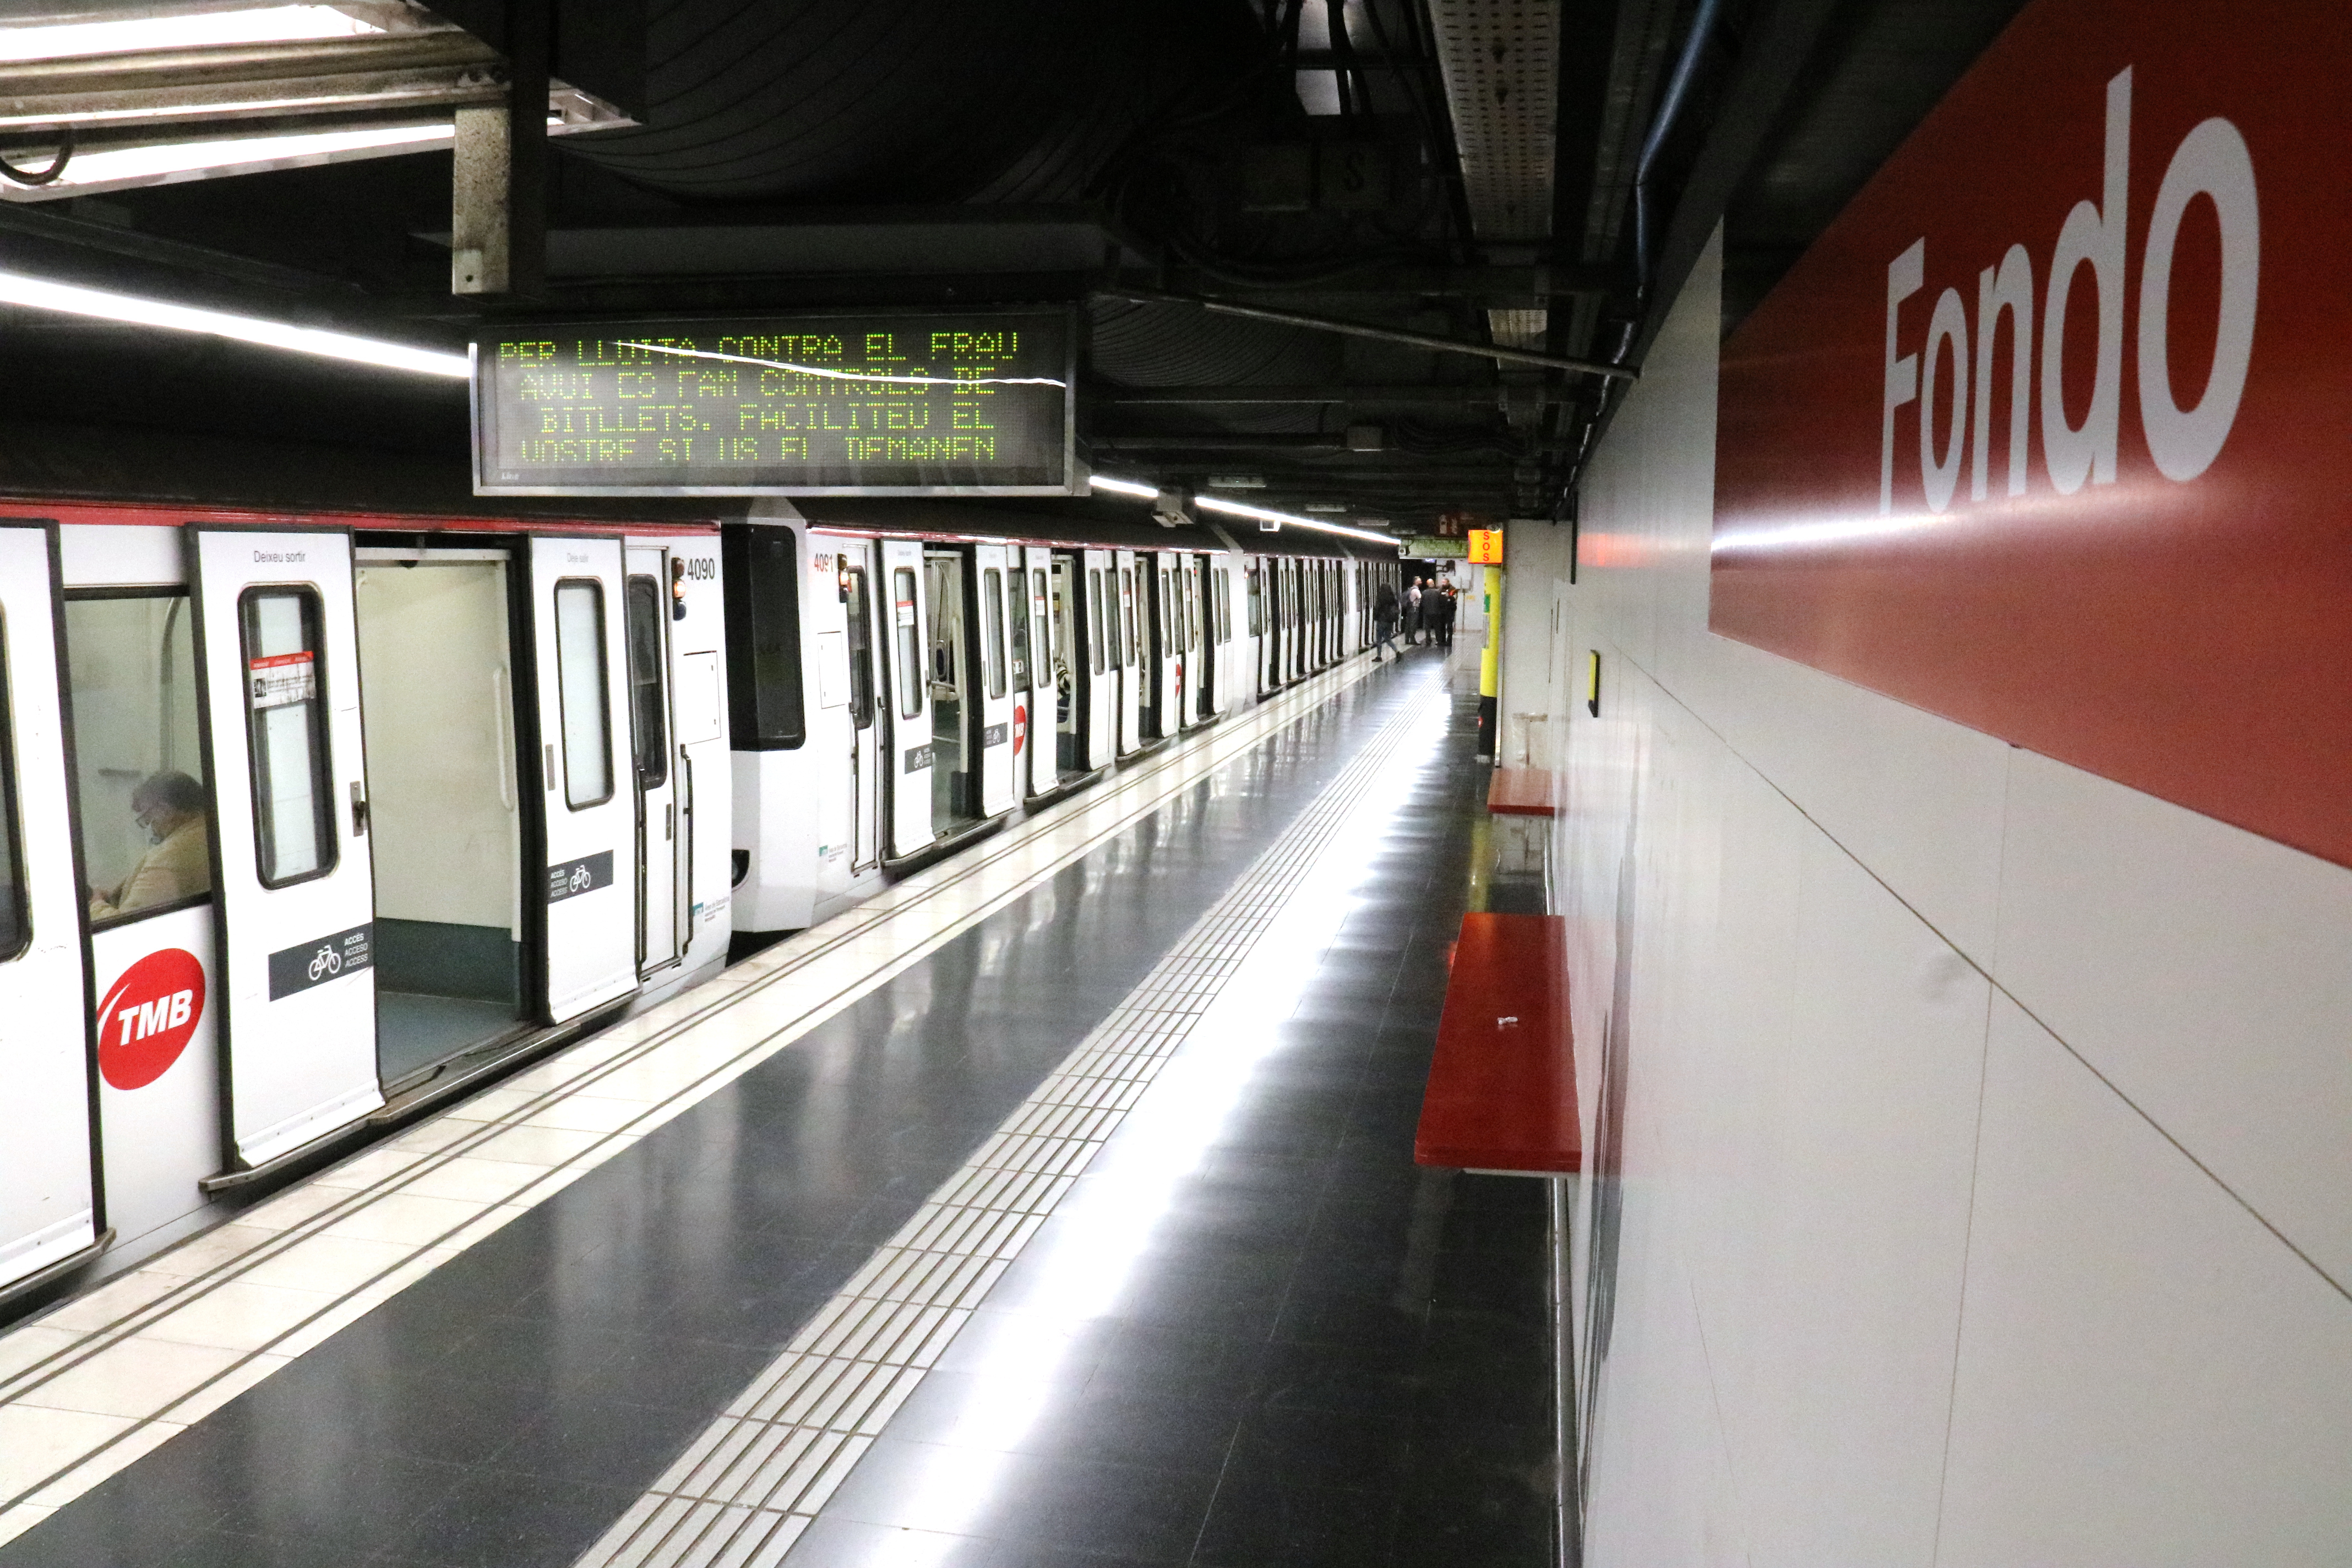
(1485, 547)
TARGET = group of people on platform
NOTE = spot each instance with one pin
(1427, 608)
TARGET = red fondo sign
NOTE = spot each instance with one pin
(148, 1018)
(2051, 431)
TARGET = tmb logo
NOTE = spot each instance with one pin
(147, 1020)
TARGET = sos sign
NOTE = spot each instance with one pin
(148, 1018)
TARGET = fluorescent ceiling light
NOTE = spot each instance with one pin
(1123, 487)
(254, 25)
(40, 294)
(1294, 520)
(171, 163)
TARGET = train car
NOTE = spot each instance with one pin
(933, 669)
(313, 819)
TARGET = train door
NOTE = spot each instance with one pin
(905, 647)
(1127, 653)
(1072, 683)
(48, 1200)
(659, 884)
(436, 705)
(588, 929)
(1191, 677)
(949, 598)
(995, 698)
(1166, 689)
(276, 633)
(1221, 668)
(865, 734)
(1098, 609)
(1036, 766)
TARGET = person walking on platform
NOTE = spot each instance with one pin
(1413, 614)
(1384, 620)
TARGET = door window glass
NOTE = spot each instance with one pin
(648, 713)
(580, 690)
(286, 718)
(908, 642)
(1126, 615)
(991, 616)
(1254, 601)
(1167, 608)
(138, 765)
(1019, 608)
(861, 653)
(1095, 625)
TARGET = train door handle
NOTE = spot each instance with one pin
(358, 809)
(548, 778)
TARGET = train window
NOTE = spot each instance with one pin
(760, 569)
(1095, 621)
(1223, 588)
(1167, 609)
(1126, 633)
(1255, 596)
(1017, 605)
(286, 723)
(909, 642)
(130, 671)
(992, 615)
(1192, 623)
(648, 710)
(580, 686)
(861, 653)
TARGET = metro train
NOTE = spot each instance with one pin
(313, 820)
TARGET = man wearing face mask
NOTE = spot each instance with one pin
(171, 807)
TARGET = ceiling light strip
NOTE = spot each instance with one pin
(1240, 508)
(73, 300)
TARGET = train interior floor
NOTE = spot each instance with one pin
(1082, 1229)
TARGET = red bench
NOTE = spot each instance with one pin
(1523, 792)
(1502, 1087)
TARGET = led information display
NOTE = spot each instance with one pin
(878, 403)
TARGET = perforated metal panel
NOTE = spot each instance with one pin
(1500, 61)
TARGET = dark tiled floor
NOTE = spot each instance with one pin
(506, 1409)
(1317, 1354)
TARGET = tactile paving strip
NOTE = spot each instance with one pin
(744, 1490)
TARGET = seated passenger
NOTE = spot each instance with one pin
(171, 807)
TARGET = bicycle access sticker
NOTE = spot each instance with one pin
(574, 878)
(322, 958)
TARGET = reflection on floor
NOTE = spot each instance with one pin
(413, 1031)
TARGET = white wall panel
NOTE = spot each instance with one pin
(2145, 1375)
(2203, 970)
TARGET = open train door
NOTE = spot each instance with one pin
(991, 769)
(585, 890)
(1098, 599)
(1128, 626)
(905, 636)
(277, 635)
(48, 1208)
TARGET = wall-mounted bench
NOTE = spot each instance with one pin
(1524, 791)
(1502, 1086)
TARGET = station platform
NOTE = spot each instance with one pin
(1057, 1208)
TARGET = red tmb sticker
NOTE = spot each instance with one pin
(147, 1019)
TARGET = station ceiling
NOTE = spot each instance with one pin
(1537, 175)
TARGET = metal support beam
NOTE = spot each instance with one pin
(498, 221)
(1384, 335)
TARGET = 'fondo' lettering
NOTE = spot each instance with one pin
(2211, 162)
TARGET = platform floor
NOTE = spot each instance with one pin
(1057, 1210)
